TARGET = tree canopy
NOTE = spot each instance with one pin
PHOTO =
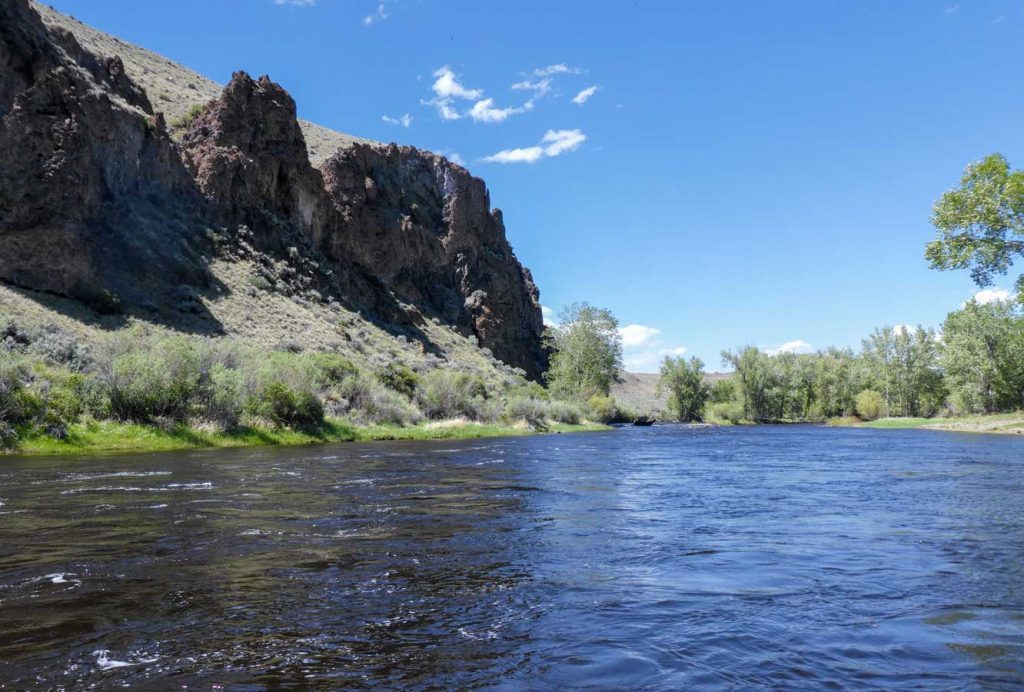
(586, 352)
(981, 222)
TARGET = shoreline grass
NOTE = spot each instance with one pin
(107, 436)
(989, 423)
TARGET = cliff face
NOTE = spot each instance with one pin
(82, 159)
(426, 228)
(96, 196)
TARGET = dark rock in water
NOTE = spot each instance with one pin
(644, 421)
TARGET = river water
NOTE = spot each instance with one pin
(657, 558)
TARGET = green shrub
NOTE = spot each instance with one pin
(528, 409)
(364, 400)
(159, 381)
(224, 396)
(869, 404)
(286, 407)
(400, 378)
(564, 412)
(725, 412)
(331, 368)
(451, 394)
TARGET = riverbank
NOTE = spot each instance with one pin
(989, 423)
(108, 436)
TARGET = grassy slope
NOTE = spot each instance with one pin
(107, 436)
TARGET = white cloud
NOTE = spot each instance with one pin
(633, 335)
(554, 143)
(380, 15)
(794, 346)
(447, 85)
(404, 121)
(582, 97)
(649, 359)
(903, 329)
(549, 316)
(992, 295)
(296, 3)
(560, 68)
(642, 350)
(456, 159)
(483, 111)
(540, 88)
(447, 88)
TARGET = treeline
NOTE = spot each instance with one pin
(50, 381)
(975, 364)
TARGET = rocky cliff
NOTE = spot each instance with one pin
(83, 162)
(97, 199)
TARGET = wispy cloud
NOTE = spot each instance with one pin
(539, 87)
(296, 3)
(560, 68)
(951, 9)
(997, 20)
(582, 97)
(554, 143)
(484, 111)
(794, 346)
(380, 15)
(404, 121)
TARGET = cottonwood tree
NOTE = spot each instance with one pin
(906, 370)
(981, 223)
(586, 352)
(687, 389)
(984, 356)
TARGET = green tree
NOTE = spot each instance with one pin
(758, 382)
(984, 356)
(905, 368)
(687, 389)
(869, 404)
(981, 222)
(586, 352)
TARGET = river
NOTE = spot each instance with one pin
(654, 558)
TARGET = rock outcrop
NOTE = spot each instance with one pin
(85, 166)
(426, 228)
(96, 197)
(249, 159)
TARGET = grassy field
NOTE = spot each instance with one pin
(106, 436)
(992, 423)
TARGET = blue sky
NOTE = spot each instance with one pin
(742, 172)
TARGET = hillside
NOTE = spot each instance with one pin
(174, 88)
(242, 222)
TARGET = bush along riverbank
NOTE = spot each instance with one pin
(143, 391)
